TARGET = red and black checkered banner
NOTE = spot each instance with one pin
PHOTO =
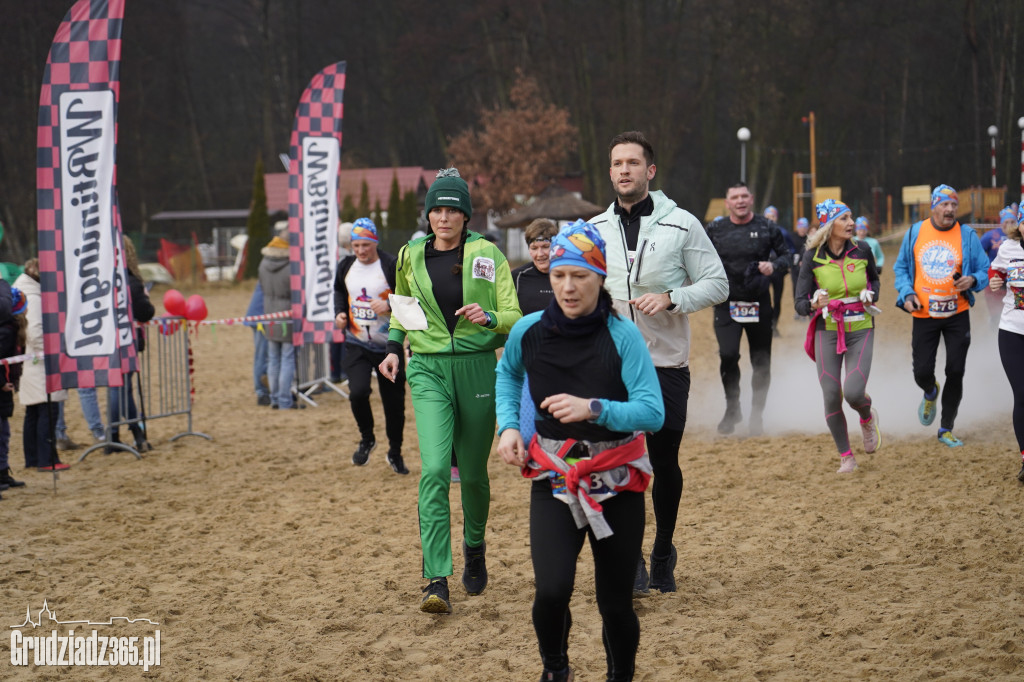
(87, 335)
(315, 152)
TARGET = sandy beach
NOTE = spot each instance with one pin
(265, 554)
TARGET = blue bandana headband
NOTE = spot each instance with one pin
(802, 222)
(579, 244)
(364, 229)
(944, 193)
(861, 222)
(19, 303)
(1007, 214)
(829, 210)
(774, 217)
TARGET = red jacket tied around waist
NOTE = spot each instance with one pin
(625, 467)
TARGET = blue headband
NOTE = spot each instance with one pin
(363, 228)
(829, 210)
(1007, 214)
(579, 244)
(944, 193)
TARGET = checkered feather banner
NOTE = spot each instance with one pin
(313, 205)
(86, 312)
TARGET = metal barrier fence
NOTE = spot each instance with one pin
(313, 371)
(161, 388)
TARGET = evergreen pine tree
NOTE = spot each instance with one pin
(363, 209)
(258, 224)
(396, 218)
(348, 210)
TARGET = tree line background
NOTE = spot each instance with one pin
(902, 92)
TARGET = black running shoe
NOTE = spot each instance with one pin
(474, 575)
(362, 453)
(396, 462)
(557, 675)
(642, 582)
(436, 599)
(663, 572)
(1020, 474)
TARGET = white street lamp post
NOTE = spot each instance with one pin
(743, 135)
(992, 132)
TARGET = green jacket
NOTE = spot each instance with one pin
(486, 280)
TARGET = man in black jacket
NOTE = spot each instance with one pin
(745, 242)
(361, 308)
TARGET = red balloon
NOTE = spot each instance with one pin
(174, 303)
(195, 308)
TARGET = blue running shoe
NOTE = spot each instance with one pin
(926, 411)
(946, 437)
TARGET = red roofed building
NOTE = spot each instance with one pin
(350, 183)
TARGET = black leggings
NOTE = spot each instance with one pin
(358, 363)
(555, 544)
(759, 338)
(955, 331)
(1011, 352)
(663, 449)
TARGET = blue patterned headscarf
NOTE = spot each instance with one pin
(944, 193)
(1007, 214)
(579, 244)
(774, 217)
(829, 210)
(19, 303)
(363, 228)
(860, 222)
(802, 222)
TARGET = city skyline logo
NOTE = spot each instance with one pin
(52, 616)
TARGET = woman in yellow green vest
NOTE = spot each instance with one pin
(838, 286)
(463, 285)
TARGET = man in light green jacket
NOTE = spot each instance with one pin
(661, 266)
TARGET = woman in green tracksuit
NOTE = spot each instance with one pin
(463, 285)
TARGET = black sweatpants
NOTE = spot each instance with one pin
(555, 544)
(1011, 352)
(729, 332)
(358, 363)
(955, 332)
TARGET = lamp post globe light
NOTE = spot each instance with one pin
(743, 135)
(992, 132)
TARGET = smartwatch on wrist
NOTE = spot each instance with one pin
(596, 408)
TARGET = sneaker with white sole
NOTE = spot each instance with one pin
(869, 429)
(947, 438)
(396, 462)
(847, 465)
(436, 599)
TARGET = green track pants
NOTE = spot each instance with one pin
(453, 399)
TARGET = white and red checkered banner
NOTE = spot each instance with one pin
(315, 152)
(86, 312)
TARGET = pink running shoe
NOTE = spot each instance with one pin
(847, 465)
(872, 436)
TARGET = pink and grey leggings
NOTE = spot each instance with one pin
(859, 349)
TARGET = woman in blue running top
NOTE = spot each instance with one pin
(595, 391)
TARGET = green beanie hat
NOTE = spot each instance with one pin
(449, 189)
